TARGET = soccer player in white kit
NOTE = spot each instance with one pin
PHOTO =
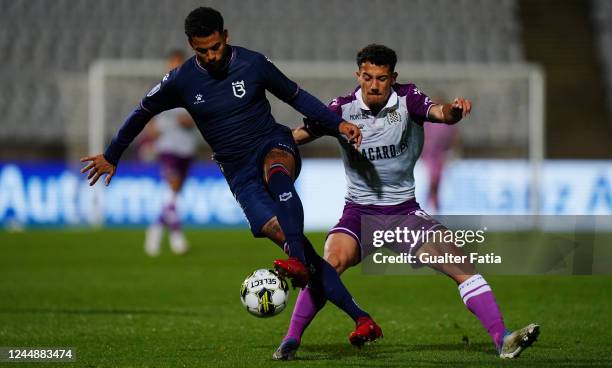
(176, 140)
(381, 183)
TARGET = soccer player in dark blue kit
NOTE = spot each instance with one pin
(223, 88)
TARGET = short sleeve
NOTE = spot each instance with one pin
(274, 80)
(335, 106)
(162, 96)
(417, 102)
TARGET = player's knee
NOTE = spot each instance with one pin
(337, 261)
(341, 251)
(279, 160)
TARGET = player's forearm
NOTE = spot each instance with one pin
(443, 113)
(315, 110)
(301, 135)
(133, 125)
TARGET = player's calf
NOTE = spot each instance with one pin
(279, 176)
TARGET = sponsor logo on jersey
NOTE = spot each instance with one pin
(385, 152)
(285, 196)
(199, 99)
(239, 88)
(359, 116)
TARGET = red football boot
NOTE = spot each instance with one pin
(294, 270)
(366, 330)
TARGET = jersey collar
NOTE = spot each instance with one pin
(391, 102)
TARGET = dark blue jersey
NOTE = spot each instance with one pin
(230, 110)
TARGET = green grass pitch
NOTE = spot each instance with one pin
(97, 291)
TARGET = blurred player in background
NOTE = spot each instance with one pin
(381, 183)
(175, 140)
(439, 141)
(224, 89)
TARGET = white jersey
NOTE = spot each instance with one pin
(382, 172)
(175, 138)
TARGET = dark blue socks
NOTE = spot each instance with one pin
(326, 284)
(290, 213)
(325, 281)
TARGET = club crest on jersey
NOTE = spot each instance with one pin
(394, 117)
(239, 89)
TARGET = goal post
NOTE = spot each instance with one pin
(508, 114)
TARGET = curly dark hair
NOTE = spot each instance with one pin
(202, 22)
(378, 55)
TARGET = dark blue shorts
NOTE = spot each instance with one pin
(246, 179)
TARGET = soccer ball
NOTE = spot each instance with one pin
(264, 293)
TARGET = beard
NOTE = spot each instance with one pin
(215, 67)
(219, 67)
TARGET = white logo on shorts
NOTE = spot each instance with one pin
(285, 197)
(424, 215)
(154, 90)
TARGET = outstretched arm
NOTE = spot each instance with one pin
(289, 92)
(450, 113)
(106, 163)
(160, 98)
(312, 130)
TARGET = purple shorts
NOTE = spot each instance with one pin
(412, 217)
(174, 166)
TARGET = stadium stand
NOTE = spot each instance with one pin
(602, 15)
(47, 41)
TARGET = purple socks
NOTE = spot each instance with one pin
(303, 313)
(479, 299)
(475, 292)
